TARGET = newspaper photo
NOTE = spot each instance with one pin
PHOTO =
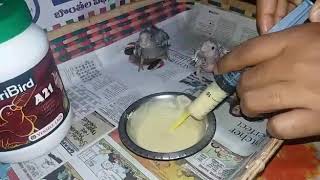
(106, 162)
(65, 171)
(37, 168)
(216, 161)
(6, 172)
(87, 130)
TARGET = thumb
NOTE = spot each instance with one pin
(293, 124)
(315, 12)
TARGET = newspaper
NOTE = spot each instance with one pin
(50, 13)
(102, 84)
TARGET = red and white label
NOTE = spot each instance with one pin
(32, 105)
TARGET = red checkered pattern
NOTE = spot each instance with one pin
(102, 34)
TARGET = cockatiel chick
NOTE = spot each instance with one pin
(207, 56)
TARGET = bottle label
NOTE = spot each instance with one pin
(32, 105)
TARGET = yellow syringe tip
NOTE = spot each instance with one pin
(184, 116)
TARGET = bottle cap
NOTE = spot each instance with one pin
(15, 17)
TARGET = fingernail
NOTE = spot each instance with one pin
(267, 25)
(315, 12)
(265, 29)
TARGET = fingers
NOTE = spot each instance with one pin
(275, 97)
(291, 6)
(265, 14)
(253, 52)
(268, 46)
(315, 12)
(296, 2)
(281, 11)
(269, 12)
(266, 73)
(293, 124)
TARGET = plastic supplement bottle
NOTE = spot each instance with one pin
(35, 113)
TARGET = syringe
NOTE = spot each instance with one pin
(225, 84)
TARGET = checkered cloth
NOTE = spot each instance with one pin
(102, 34)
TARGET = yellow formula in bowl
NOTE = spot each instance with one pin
(150, 126)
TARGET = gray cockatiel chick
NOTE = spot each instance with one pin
(151, 45)
(207, 56)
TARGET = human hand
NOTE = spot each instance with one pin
(283, 77)
(269, 12)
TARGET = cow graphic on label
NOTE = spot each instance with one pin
(15, 125)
